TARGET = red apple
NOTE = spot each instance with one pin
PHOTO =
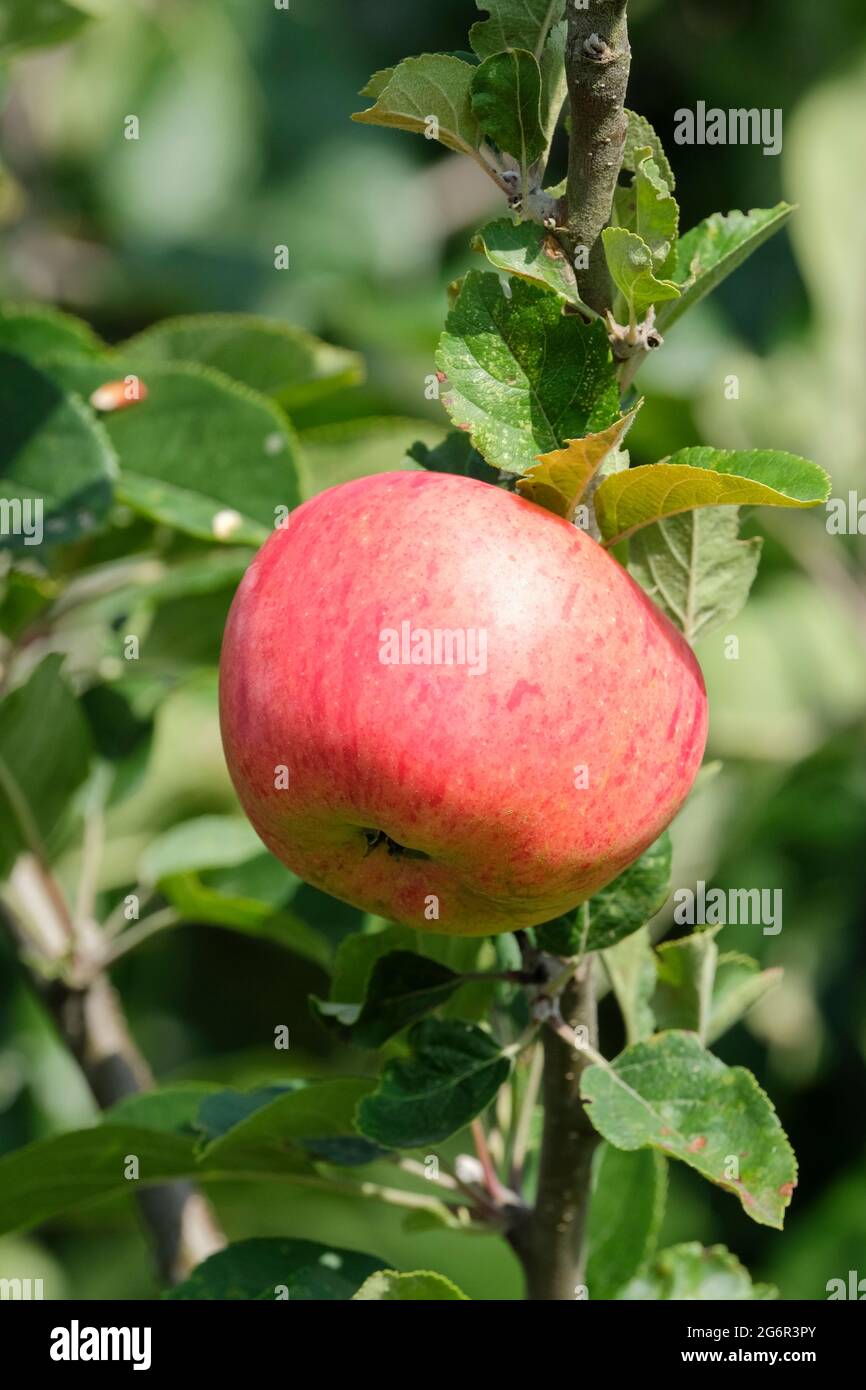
(485, 795)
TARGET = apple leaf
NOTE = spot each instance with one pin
(554, 84)
(170, 1110)
(386, 1285)
(24, 24)
(506, 100)
(272, 1267)
(670, 1094)
(38, 332)
(529, 251)
(708, 253)
(203, 843)
(348, 449)
(201, 453)
(692, 1272)
(559, 480)
(705, 477)
(454, 1071)
(631, 969)
(628, 1202)
(639, 137)
(515, 24)
(311, 1117)
(632, 267)
(288, 364)
(402, 988)
(686, 976)
(430, 95)
(57, 1174)
(57, 467)
(456, 454)
(657, 216)
(631, 899)
(522, 377)
(195, 901)
(696, 568)
(740, 982)
(45, 750)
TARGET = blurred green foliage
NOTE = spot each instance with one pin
(250, 147)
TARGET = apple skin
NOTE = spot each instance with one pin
(475, 771)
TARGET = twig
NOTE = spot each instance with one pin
(597, 65)
(92, 1024)
(550, 1239)
(523, 1129)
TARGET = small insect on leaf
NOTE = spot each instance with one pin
(118, 395)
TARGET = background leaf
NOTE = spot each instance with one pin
(51, 449)
(44, 758)
(25, 24)
(402, 987)
(686, 976)
(631, 968)
(258, 1268)
(283, 362)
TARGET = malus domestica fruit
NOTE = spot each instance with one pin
(449, 707)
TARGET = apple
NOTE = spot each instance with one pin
(449, 707)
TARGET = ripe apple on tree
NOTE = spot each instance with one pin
(459, 798)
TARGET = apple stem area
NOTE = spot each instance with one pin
(549, 1238)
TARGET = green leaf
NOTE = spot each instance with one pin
(349, 449)
(708, 253)
(322, 1111)
(506, 99)
(432, 93)
(528, 251)
(58, 1174)
(285, 363)
(170, 1110)
(631, 968)
(740, 982)
(57, 467)
(276, 1267)
(696, 568)
(559, 480)
(39, 333)
(515, 24)
(44, 758)
(631, 899)
(420, 1287)
(26, 24)
(503, 356)
(686, 976)
(672, 1095)
(455, 1071)
(195, 901)
(403, 987)
(203, 843)
(356, 956)
(657, 216)
(632, 266)
(554, 84)
(641, 136)
(456, 454)
(201, 453)
(691, 1272)
(628, 1202)
(705, 477)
